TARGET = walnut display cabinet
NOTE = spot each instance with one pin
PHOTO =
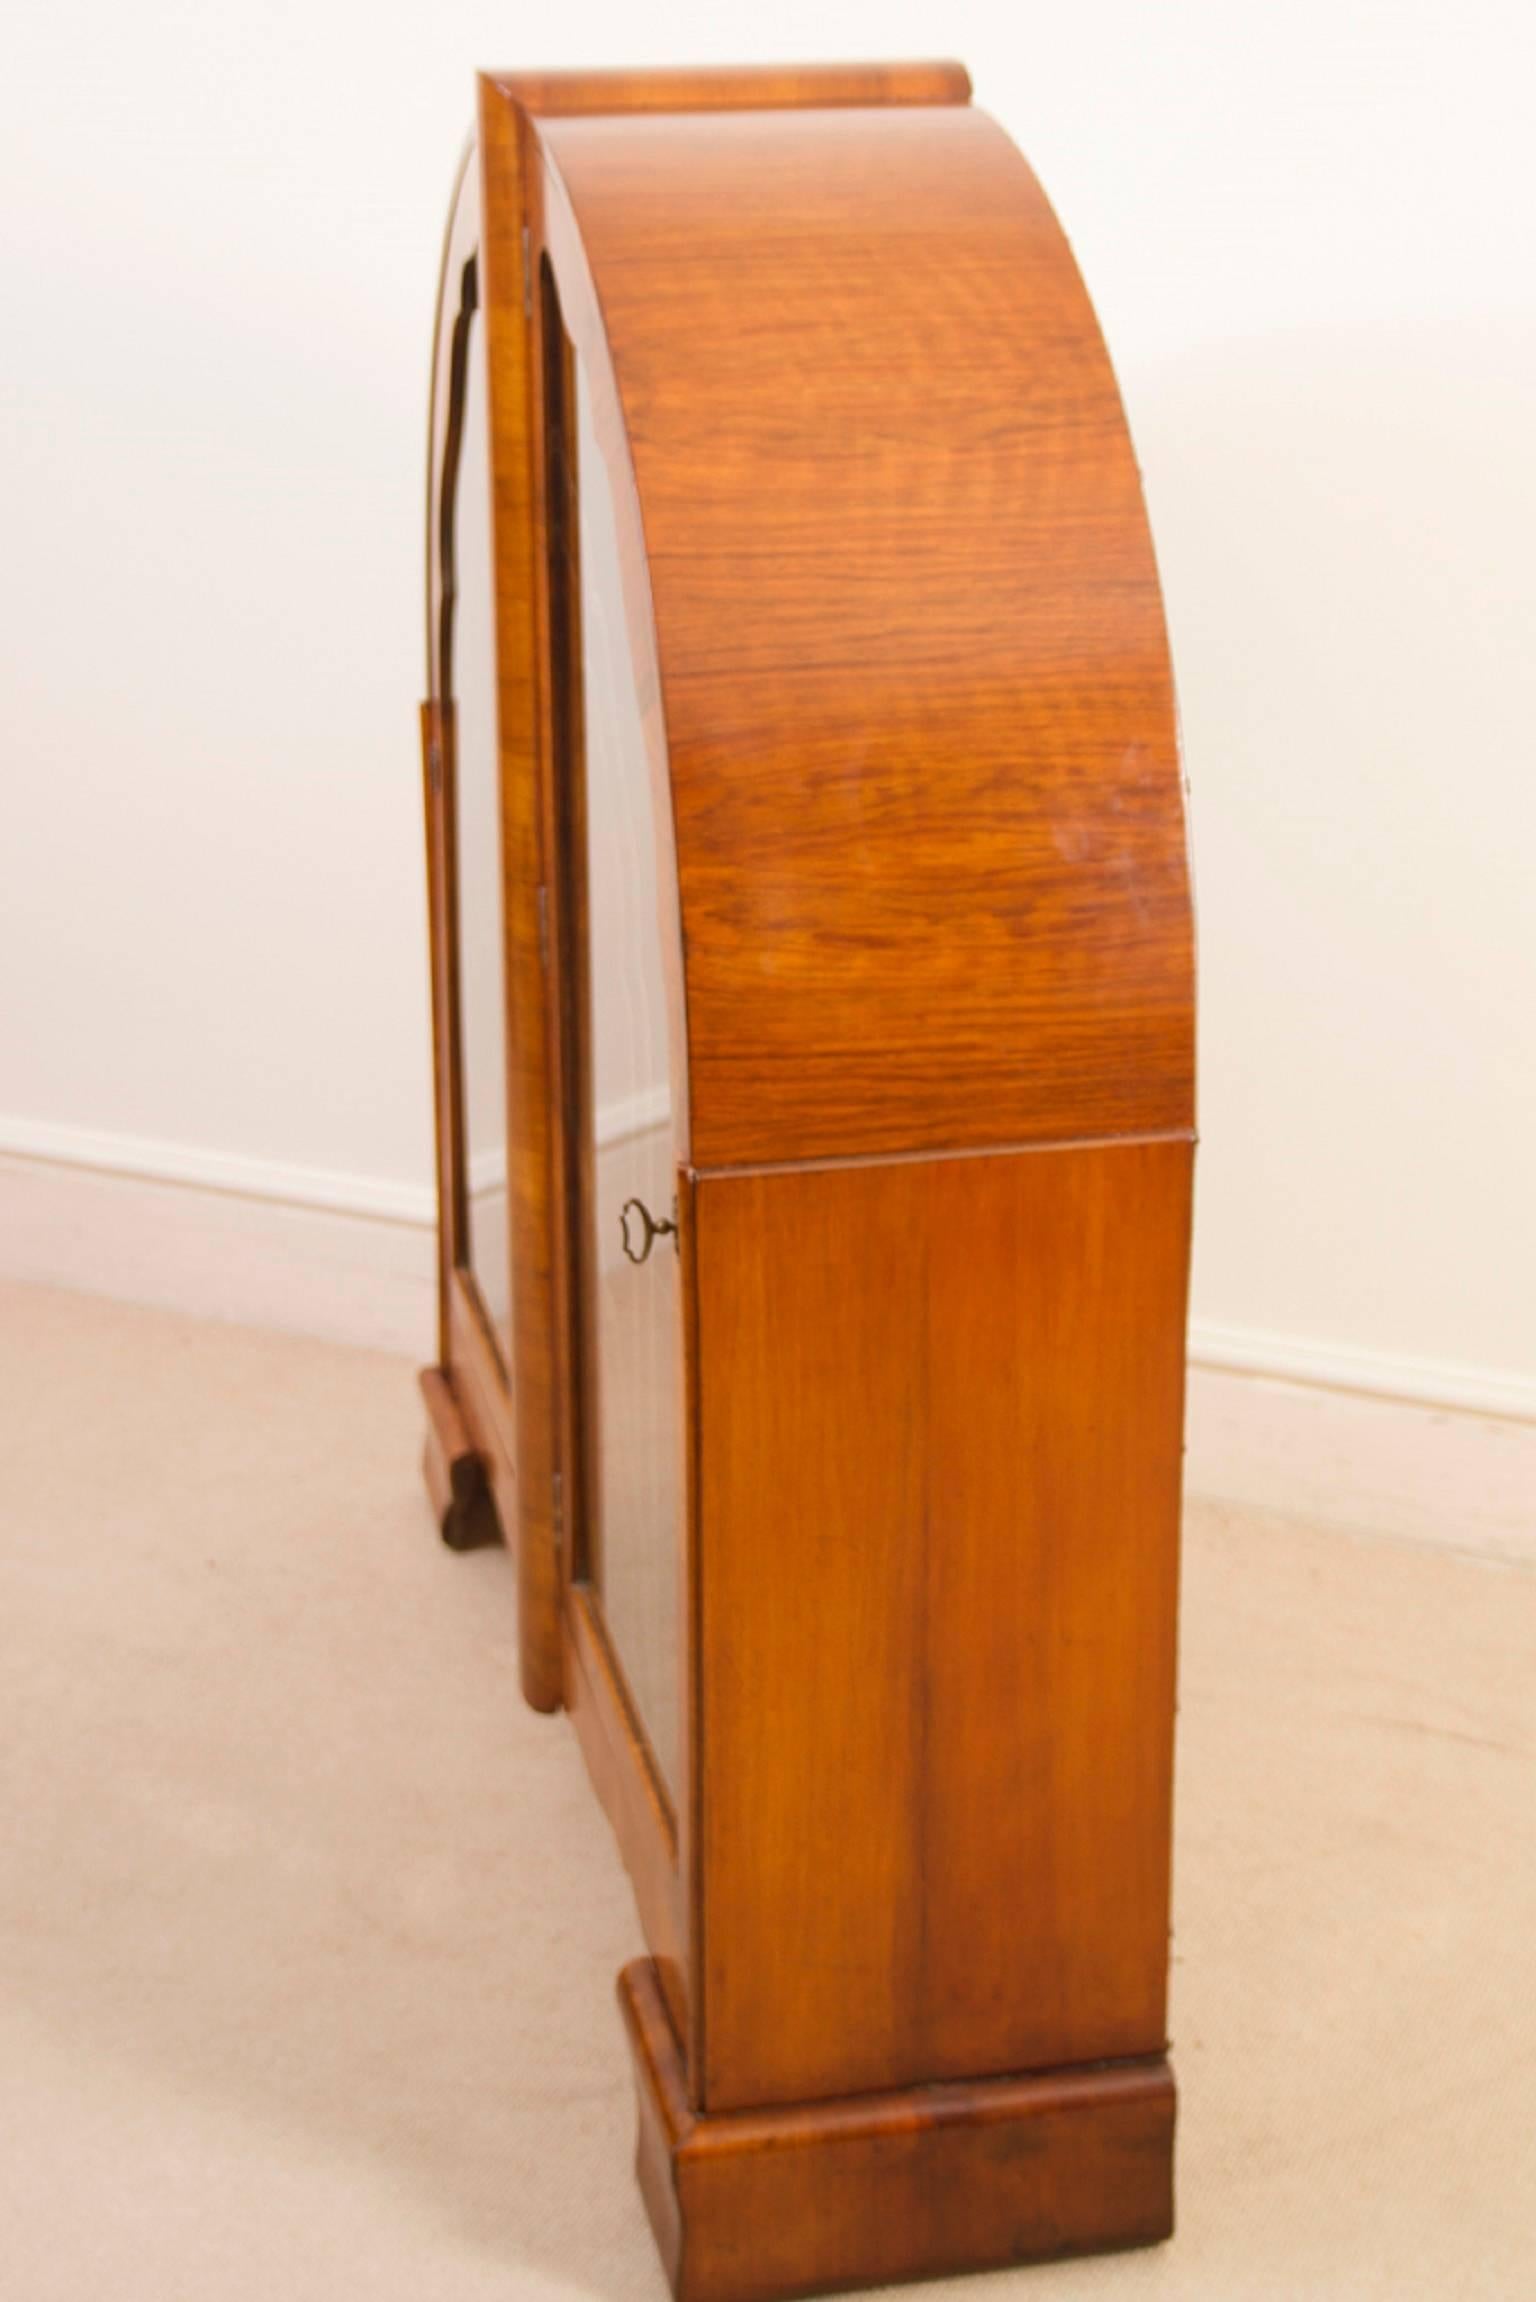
(813, 1008)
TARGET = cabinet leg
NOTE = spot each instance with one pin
(454, 1475)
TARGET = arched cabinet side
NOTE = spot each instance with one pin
(929, 811)
(937, 944)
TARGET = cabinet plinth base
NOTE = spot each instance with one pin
(756, 2205)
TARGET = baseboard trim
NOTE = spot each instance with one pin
(148, 1159)
(284, 1182)
(223, 1246)
(1397, 1467)
(1441, 1383)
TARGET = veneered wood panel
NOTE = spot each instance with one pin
(1055, 1414)
(926, 791)
(940, 1428)
(810, 1561)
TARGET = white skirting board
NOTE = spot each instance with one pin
(1382, 1465)
(1395, 1448)
(223, 1253)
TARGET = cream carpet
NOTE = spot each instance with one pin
(309, 1929)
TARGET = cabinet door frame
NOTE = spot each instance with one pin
(588, 1555)
(652, 1824)
(501, 1435)
(473, 1421)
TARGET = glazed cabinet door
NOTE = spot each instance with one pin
(623, 1175)
(472, 1394)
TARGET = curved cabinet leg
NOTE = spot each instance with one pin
(454, 1475)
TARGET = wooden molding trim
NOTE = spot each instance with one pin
(750, 2205)
(736, 88)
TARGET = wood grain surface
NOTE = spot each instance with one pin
(940, 1432)
(903, 673)
(927, 799)
(532, 1053)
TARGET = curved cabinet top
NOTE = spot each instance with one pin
(927, 802)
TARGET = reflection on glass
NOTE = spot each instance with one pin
(637, 1330)
(471, 681)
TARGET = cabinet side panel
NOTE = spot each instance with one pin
(941, 1412)
(810, 1566)
(1056, 1306)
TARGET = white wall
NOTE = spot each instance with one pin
(1309, 233)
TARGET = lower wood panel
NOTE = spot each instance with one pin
(940, 1438)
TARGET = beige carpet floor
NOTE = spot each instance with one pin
(308, 1929)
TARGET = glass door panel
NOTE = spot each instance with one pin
(627, 1245)
(469, 679)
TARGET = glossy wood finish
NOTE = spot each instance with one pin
(924, 901)
(532, 1079)
(914, 611)
(754, 2204)
(940, 1538)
